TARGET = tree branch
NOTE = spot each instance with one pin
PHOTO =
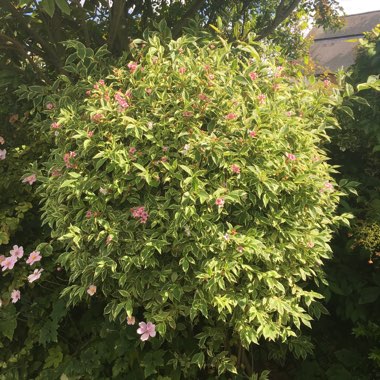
(282, 13)
(190, 13)
(14, 44)
(50, 52)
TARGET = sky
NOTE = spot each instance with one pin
(360, 6)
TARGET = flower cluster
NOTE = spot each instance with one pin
(67, 158)
(140, 214)
(120, 99)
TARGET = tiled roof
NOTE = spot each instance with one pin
(334, 50)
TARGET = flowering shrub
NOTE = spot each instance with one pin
(190, 192)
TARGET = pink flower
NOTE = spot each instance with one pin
(211, 76)
(101, 82)
(35, 275)
(310, 244)
(131, 320)
(182, 70)
(109, 239)
(49, 106)
(67, 158)
(261, 98)
(146, 330)
(90, 134)
(231, 116)
(226, 237)
(326, 83)
(30, 179)
(206, 67)
(289, 113)
(88, 214)
(119, 97)
(55, 125)
(235, 168)
(327, 187)
(187, 114)
(3, 153)
(252, 133)
(253, 75)
(8, 263)
(203, 97)
(290, 156)
(165, 148)
(55, 173)
(17, 252)
(148, 91)
(278, 71)
(2, 140)
(140, 214)
(132, 150)
(132, 66)
(15, 295)
(91, 290)
(103, 191)
(33, 257)
(219, 202)
(88, 92)
(97, 117)
(240, 249)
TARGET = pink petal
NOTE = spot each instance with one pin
(144, 336)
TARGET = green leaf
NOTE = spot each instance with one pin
(198, 359)
(48, 6)
(63, 6)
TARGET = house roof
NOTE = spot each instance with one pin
(334, 50)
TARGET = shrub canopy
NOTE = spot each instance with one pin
(189, 185)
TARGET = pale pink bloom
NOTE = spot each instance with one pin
(278, 72)
(148, 91)
(2, 140)
(8, 263)
(90, 134)
(17, 252)
(109, 239)
(206, 67)
(187, 114)
(326, 83)
(252, 133)
(30, 179)
(88, 214)
(165, 148)
(253, 75)
(96, 86)
(219, 202)
(164, 159)
(226, 237)
(35, 275)
(132, 66)
(91, 290)
(101, 82)
(132, 150)
(146, 330)
(240, 249)
(103, 191)
(211, 76)
(327, 187)
(231, 116)
(140, 214)
(182, 70)
(3, 153)
(88, 92)
(49, 106)
(55, 125)
(310, 244)
(289, 113)
(235, 168)
(34, 257)
(261, 98)
(131, 320)
(15, 295)
(290, 156)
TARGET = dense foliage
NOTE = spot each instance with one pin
(156, 220)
